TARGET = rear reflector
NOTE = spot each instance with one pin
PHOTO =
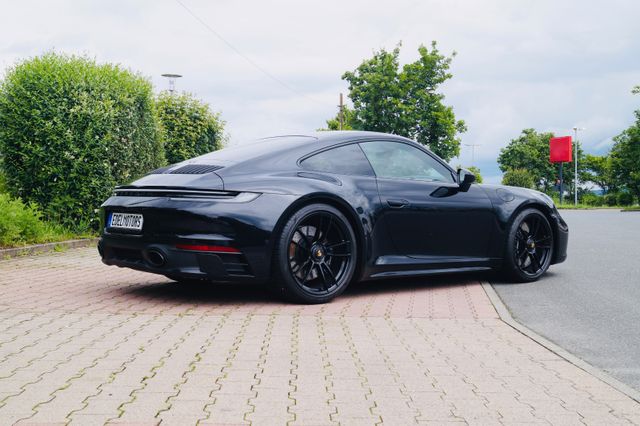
(219, 249)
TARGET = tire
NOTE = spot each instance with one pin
(529, 247)
(315, 255)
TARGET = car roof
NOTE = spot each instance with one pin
(281, 152)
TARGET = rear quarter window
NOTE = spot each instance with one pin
(342, 160)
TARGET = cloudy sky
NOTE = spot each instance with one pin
(549, 65)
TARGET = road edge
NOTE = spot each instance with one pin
(36, 249)
(505, 316)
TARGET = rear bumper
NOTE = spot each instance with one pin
(165, 258)
(236, 237)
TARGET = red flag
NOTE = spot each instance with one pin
(560, 149)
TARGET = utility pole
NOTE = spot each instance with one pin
(575, 177)
(172, 81)
(341, 112)
(473, 151)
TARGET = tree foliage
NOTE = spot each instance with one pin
(476, 171)
(71, 129)
(189, 127)
(625, 156)
(348, 120)
(598, 170)
(405, 101)
(530, 151)
(518, 177)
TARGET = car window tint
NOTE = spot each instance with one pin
(344, 160)
(402, 161)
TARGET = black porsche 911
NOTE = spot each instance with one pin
(308, 214)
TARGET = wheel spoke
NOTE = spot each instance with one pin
(522, 257)
(316, 235)
(545, 238)
(330, 274)
(304, 236)
(533, 230)
(306, 276)
(341, 243)
(324, 280)
(325, 234)
(301, 265)
(534, 262)
(297, 243)
(348, 254)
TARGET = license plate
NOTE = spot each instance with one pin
(126, 221)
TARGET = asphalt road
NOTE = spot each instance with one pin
(590, 304)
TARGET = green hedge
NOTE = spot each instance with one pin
(592, 199)
(72, 129)
(190, 128)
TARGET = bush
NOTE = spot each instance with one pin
(611, 199)
(3, 182)
(625, 199)
(591, 199)
(21, 223)
(518, 177)
(70, 130)
(190, 128)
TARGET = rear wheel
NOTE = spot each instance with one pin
(529, 246)
(315, 255)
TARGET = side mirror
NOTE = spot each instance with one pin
(465, 179)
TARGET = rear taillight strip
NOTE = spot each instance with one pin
(208, 248)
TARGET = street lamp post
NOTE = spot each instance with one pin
(575, 177)
(172, 81)
(473, 151)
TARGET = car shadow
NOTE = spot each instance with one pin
(246, 293)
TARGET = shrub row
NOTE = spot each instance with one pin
(611, 199)
(72, 129)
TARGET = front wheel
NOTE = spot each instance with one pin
(315, 255)
(529, 246)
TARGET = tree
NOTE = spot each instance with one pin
(598, 170)
(72, 129)
(518, 177)
(190, 128)
(530, 151)
(406, 101)
(625, 155)
(476, 171)
(348, 120)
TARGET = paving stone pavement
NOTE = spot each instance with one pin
(82, 343)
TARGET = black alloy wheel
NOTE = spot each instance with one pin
(529, 247)
(316, 255)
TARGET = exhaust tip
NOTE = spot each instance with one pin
(156, 258)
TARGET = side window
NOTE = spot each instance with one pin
(343, 160)
(401, 161)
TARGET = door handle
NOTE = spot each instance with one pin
(397, 204)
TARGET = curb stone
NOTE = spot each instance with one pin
(35, 249)
(506, 317)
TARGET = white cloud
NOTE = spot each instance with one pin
(545, 64)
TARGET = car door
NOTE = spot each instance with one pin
(429, 219)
